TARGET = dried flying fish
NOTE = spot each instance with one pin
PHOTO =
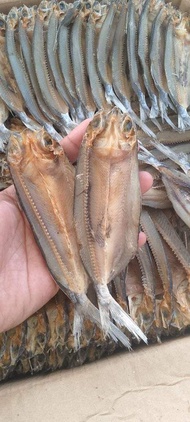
(107, 206)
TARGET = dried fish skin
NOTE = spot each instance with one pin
(107, 206)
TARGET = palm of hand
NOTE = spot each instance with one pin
(25, 282)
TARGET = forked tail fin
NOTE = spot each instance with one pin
(109, 307)
(85, 308)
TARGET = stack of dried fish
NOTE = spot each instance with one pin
(61, 63)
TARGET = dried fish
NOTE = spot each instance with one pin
(65, 59)
(79, 67)
(21, 76)
(177, 59)
(176, 184)
(53, 60)
(44, 180)
(134, 55)
(143, 52)
(95, 84)
(50, 94)
(107, 206)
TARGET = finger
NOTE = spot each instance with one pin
(71, 143)
(142, 239)
(146, 181)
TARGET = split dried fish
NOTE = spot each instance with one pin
(150, 41)
(62, 86)
(44, 180)
(107, 206)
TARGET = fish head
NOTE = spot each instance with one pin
(27, 16)
(111, 134)
(12, 17)
(28, 146)
(15, 149)
(3, 19)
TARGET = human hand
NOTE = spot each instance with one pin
(25, 282)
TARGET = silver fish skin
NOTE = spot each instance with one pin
(107, 207)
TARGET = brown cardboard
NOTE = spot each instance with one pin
(150, 384)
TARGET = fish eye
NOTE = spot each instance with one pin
(88, 5)
(96, 122)
(127, 125)
(2, 23)
(48, 141)
(24, 13)
(12, 15)
(62, 5)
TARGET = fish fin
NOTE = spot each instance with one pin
(86, 308)
(77, 327)
(108, 306)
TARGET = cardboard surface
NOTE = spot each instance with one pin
(150, 384)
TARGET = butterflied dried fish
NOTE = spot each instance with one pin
(21, 76)
(177, 61)
(176, 183)
(157, 44)
(143, 52)
(143, 307)
(52, 33)
(79, 67)
(158, 303)
(135, 76)
(95, 84)
(104, 46)
(107, 206)
(50, 94)
(44, 180)
(121, 84)
(26, 48)
(65, 59)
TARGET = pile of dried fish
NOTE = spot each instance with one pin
(61, 63)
